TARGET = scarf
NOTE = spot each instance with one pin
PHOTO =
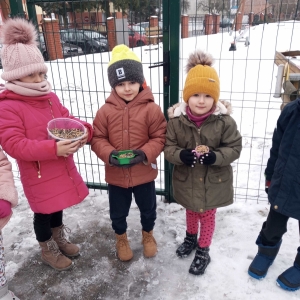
(200, 119)
(29, 89)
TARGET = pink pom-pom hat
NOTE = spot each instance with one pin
(20, 55)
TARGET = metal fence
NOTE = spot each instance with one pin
(81, 82)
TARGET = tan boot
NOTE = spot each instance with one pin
(123, 248)
(53, 257)
(149, 243)
(64, 245)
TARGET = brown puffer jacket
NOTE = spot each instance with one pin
(203, 187)
(140, 124)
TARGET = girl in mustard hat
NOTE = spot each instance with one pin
(202, 141)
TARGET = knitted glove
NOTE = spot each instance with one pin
(5, 208)
(188, 157)
(112, 160)
(208, 158)
(140, 157)
(268, 182)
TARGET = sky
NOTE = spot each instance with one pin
(248, 77)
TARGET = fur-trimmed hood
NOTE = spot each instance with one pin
(223, 108)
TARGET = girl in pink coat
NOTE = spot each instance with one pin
(8, 199)
(48, 173)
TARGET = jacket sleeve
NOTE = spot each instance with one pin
(282, 123)
(230, 145)
(66, 114)
(100, 142)
(15, 143)
(8, 191)
(157, 134)
(171, 149)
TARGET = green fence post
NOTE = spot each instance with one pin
(16, 8)
(171, 71)
(32, 13)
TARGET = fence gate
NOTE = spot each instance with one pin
(77, 37)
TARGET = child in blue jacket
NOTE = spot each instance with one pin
(283, 189)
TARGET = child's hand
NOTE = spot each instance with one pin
(208, 158)
(140, 157)
(5, 208)
(112, 160)
(188, 157)
(268, 183)
(65, 148)
(83, 141)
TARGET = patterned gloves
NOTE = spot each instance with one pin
(208, 158)
(5, 208)
(188, 157)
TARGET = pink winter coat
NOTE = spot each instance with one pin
(50, 183)
(8, 191)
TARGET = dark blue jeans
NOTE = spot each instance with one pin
(120, 202)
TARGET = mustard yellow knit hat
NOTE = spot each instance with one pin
(201, 77)
(124, 66)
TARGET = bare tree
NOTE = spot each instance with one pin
(214, 6)
(185, 6)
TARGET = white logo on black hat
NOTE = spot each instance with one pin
(120, 73)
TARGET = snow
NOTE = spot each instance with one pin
(248, 78)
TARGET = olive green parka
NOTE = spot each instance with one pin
(203, 187)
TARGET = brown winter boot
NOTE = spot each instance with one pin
(53, 257)
(149, 244)
(123, 248)
(64, 245)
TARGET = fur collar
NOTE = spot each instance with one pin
(223, 108)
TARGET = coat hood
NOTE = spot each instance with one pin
(223, 108)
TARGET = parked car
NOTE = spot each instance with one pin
(136, 38)
(146, 24)
(226, 22)
(67, 48)
(89, 41)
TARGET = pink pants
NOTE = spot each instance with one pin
(207, 225)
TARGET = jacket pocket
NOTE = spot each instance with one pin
(219, 177)
(181, 173)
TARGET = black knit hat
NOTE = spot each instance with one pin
(124, 66)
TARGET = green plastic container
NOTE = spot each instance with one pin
(124, 160)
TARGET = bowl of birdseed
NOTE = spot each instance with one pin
(124, 157)
(65, 129)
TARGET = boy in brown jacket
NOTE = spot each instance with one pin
(130, 120)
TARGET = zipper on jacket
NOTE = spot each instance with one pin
(71, 177)
(38, 168)
(50, 103)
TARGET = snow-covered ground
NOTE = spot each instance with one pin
(248, 78)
